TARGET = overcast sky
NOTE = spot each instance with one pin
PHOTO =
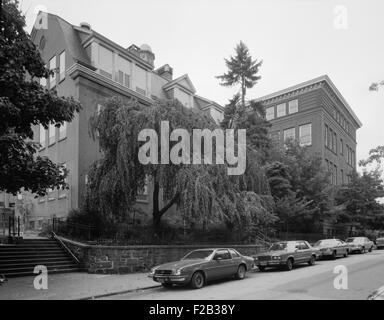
(297, 39)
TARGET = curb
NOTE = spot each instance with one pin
(118, 293)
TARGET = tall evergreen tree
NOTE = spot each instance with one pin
(24, 103)
(242, 70)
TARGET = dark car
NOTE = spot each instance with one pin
(286, 254)
(201, 266)
(359, 244)
(332, 248)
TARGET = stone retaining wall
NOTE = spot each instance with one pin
(127, 259)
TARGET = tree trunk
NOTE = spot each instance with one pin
(156, 212)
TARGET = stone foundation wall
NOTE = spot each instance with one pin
(129, 259)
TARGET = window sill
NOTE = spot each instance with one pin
(41, 201)
(63, 197)
(51, 199)
(142, 201)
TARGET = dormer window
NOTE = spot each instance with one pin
(105, 62)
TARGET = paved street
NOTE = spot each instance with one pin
(365, 274)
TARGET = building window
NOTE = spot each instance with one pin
(63, 131)
(353, 162)
(347, 154)
(326, 136)
(52, 67)
(342, 176)
(62, 66)
(142, 194)
(270, 113)
(293, 106)
(289, 134)
(105, 62)
(123, 71)
(334, 174)
(51, 194)
(141, 80)
(43, 81)
(334, 142)
(330, 138)
(62, 191)
(281, 110)
(42, 43)
(305, 134)
(341, 147)
(51, 134)
(42, 136)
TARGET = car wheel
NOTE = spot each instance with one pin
(334, 254)
(311, 261)
(261, 268)
(167, 285)
(197, 280)
(289, 264)
(241, 271)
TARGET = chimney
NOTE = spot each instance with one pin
(165, 71)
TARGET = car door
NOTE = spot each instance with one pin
(236, 259)
(221, 264)
(298, 254)
(305, 252)
(341, 249)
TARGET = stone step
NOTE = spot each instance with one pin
(30, 273)
(29, 269)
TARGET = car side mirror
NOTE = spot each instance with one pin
(218, 258)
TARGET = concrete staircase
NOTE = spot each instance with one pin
(21, 259)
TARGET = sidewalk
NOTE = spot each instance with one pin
(72, 286)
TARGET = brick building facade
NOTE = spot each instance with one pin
(316, 114)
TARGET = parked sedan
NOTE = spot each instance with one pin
(360, 244)
(380, 243)
(286, 254)
(332, 248)
(201, 266)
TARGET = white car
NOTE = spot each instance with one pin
(359, 244)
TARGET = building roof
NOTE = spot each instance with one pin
(322, 78)
(182, 81)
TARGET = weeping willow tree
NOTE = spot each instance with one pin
(202, 193)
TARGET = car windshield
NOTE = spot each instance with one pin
(353, 240)
(198, 254)
(325, 243)
(278, 246)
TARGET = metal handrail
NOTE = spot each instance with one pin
(65, 247)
